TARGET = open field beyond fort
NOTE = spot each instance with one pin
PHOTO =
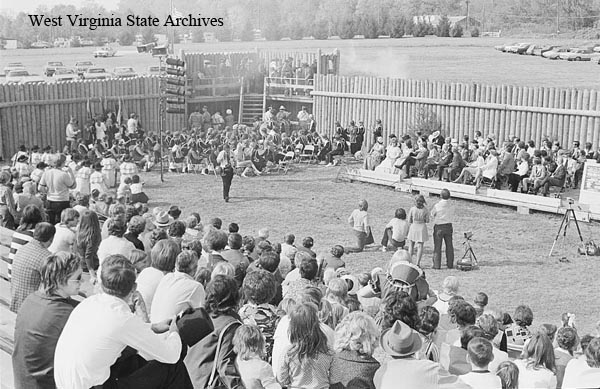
(442, 59)
(512, 248)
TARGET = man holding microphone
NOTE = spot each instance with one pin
(443, 217)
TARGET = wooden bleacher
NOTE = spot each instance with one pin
(524, 203)
(7, 318)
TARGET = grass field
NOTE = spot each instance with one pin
(512, 248)
(443, 59)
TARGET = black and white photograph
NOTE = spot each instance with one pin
(318, 194)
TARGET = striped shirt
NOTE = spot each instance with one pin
(26, 276)
(309, 373)
(19, 239)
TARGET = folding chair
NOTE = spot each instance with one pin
(286, 162)
(308, 153)
(298, 151)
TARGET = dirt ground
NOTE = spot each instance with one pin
(432, 58)
(512, 249)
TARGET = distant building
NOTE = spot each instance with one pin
(434, 20)
(10, 44)
(209, 37)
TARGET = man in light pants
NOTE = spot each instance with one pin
(443, 216)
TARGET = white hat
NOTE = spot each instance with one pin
(228, 112)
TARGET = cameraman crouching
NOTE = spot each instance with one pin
(443, 216)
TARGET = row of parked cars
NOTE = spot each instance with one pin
(553, 51)
(56, 71)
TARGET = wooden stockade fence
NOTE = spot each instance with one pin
(37, 114)
(503, 110)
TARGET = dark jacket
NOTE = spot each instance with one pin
(201, 355)
(353, 370)
(40, 322)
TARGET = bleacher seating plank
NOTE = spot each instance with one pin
(436, 186)
(7, 329)
(524, 198)
(6, 372)
(372, 177)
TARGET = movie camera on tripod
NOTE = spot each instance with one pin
(468, 260)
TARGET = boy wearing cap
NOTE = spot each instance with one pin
(479, 355)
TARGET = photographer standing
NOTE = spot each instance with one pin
(443, 216)
(55, 183)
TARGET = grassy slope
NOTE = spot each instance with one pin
(512, 248)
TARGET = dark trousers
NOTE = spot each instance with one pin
(134, 372)
(227, 178)
(513, 181)
(354, 147)
(551, 181)
(440, 171)
(331, 154)
(406, 165)
(389, 242)
(442, 232)
(54, 209)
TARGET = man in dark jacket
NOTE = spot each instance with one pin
(445, 162)
(557, 178)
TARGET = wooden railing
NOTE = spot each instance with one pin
(288, 86)
(220, 86)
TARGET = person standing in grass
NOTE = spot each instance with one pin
(443, 217)
(418, 217)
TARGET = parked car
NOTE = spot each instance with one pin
(124, 72)
(40, 45)
(531, 48)
(106, 51)
(541, 50)
(64, 74)
(13, 66)
(577, 54)
(22, 76)
(51, 66)
(503, 48)
(156, 71)
(555, 53)
(96, 73)
(519, 48)
(82, 66)
(14, 76)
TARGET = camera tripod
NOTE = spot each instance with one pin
(564, 226)
(468, 260)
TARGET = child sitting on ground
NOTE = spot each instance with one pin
(124, 190)
(479, 355)
(259, 288)
(481, 301)
(137, 190)
(64, 238)
(337, 293)
(249, 345)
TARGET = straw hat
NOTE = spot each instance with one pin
(162, 219)
(400, 340)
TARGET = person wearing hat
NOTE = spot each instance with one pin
(282, 119)
(269, 116)
(229, 118)
(22, 165)
(162, 219)
(402, 343)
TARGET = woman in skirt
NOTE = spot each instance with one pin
(418, 217)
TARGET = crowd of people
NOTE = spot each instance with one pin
(172, 302)
(521, 166)
(177, 303)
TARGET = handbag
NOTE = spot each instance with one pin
(590, 248)
(214, 382)
(370, 239)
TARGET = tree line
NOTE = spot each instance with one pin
(320, 19)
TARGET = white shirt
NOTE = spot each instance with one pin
(443, 212)
(359, 220)
(96, 333)
(63, 240)
(399, 229)
(131, 126)
(535, 378)
(100, 130)
(578, 374)
(482, 380)
(281, 341)
(114, 245)
(303, 116)
(147, 282)
(175, 293)
(499, 357)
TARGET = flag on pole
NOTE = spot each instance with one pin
(176, 13)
